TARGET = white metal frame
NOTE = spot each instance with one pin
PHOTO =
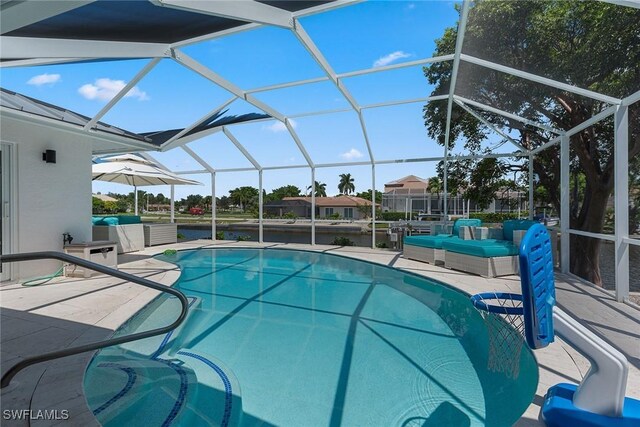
(50, 51)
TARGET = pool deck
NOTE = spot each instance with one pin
(67, 312)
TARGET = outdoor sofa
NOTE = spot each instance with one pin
(429, 248)
(125, 230)
(493, 257)
(131, 234)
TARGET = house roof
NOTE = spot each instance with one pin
(144, 21)
(409, 181)
(17, 101)
(105, 198)
(20, 102)
(337, 201)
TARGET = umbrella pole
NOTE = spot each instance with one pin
(135, 199)
(173, 204)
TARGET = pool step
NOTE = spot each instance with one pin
(215, 398)
(164, 311)
(190, 388)
(127, 385)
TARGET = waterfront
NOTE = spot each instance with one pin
(326, 234)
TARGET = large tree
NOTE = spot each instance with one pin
(282, 192)
(346, 186)
(367, 195)
(245, 197)
(321, 189)
(592, 45)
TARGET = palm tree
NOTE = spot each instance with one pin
(321, 189)
(345, 186)
(243, 196)
(435, 186)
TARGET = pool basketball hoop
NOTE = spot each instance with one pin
(503, 316)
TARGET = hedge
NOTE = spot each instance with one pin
(494, 217)
(393, 216)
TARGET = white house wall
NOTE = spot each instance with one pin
(51, 199)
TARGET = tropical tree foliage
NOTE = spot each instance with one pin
(321, 189)
(282, 192)
(245, 197)
(434, 186)
(346, 186)
(592, 45)
(193, 201)
(223, 203)
(367, 195)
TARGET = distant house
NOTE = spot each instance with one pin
(411, 195)
(406, 184)
(346, 207)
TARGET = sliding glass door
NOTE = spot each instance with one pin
(6, 177)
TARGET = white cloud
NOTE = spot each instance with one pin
(278, 126)
(104, 89)
(411, 6)
(392, 57)
(351, 154)
(44, 79)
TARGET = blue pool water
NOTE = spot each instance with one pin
(295, 338)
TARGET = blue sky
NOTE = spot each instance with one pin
(351, 38)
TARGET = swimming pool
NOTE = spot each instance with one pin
(296, 338)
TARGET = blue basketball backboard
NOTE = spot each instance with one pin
(538, 288)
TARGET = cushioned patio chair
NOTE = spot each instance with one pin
(488, 257)
(429, 248)
(126, 230)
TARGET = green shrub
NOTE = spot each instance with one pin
(342, 241)
(244, 238)
(170, 252)
(181, 236)
(333, 216)
(382, 245)
(219, 235)
(290, 215)
(392, 216)
(495, 217)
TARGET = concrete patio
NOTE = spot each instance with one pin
(67, 312)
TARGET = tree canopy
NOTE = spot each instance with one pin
(592, 45)
(282, 192)
(346, 185)
(245, 197)
(321, 189)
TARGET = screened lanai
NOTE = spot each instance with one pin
(306, 103)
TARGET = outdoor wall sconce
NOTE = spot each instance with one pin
(49, 156)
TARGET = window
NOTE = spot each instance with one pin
(348, 212)
(328, 211)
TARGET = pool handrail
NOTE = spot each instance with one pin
(34, 256)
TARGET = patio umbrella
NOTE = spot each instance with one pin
(136, 171)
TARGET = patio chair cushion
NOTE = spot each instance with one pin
(434, 242)
(105, 220)
(465, 222)
(510, 225)
(487, 248)
(129, 219)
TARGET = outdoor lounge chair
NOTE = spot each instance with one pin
(160, 234)
(429, 248)
(125, 230)
(488, 257)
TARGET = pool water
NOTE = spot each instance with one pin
(296, 338)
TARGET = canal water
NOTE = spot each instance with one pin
(289, 236)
